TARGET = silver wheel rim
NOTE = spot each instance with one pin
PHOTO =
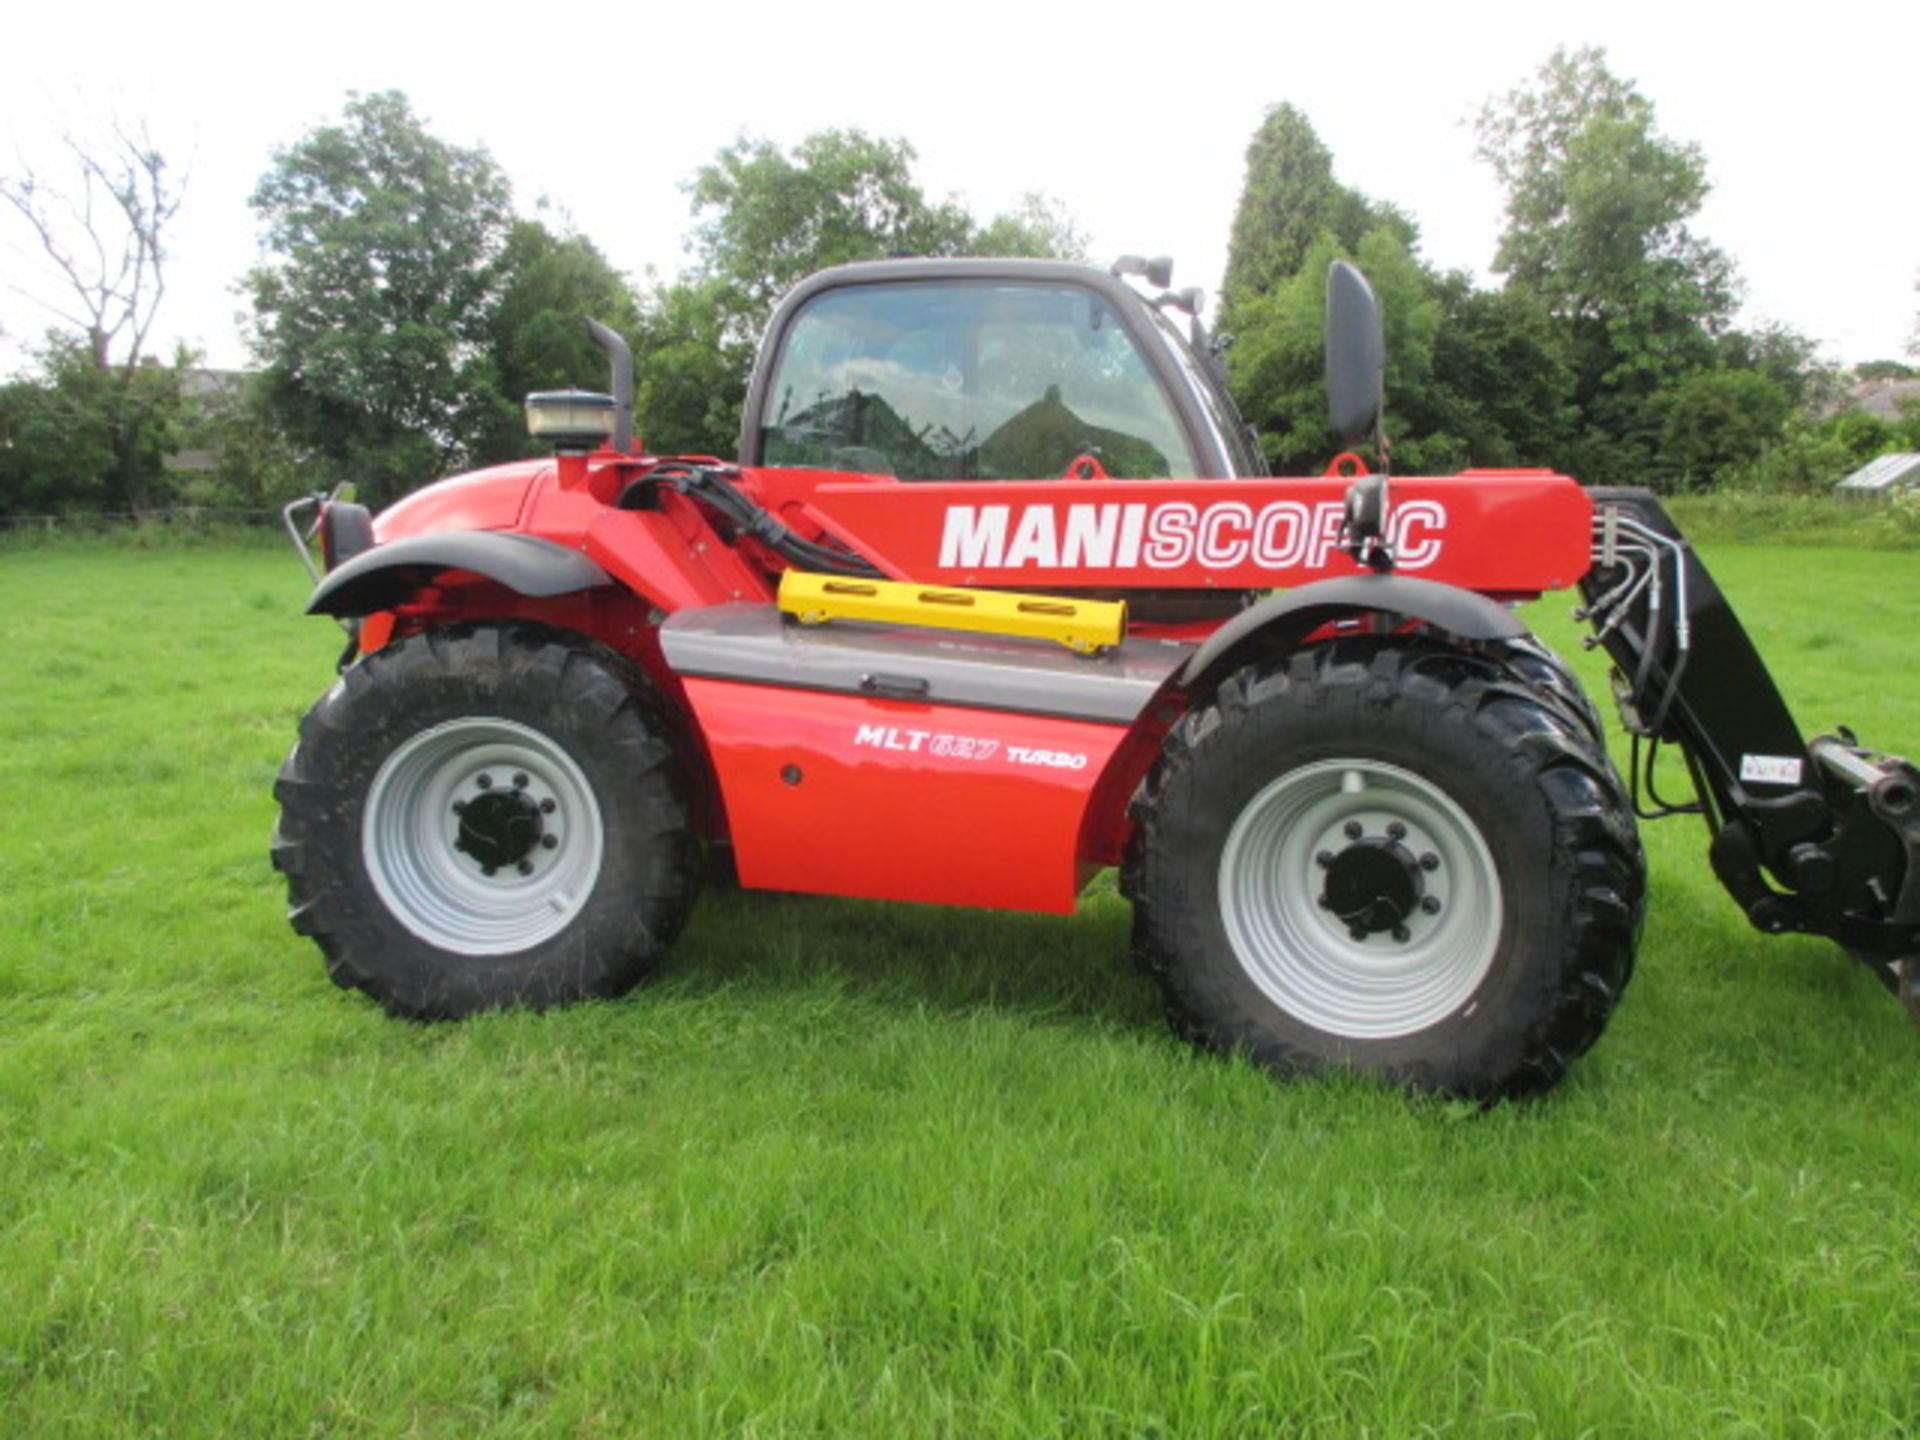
(411, 831)
(1305, 958)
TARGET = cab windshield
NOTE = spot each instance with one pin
(971, 380)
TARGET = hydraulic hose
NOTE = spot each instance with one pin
(709, 487)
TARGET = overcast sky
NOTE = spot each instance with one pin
(1136, 118)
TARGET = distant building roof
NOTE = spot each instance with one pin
(196, 383)
(1883, 397)
(1883, 476)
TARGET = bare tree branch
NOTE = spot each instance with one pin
(105, 238)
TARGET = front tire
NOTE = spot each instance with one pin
(487, 816)
(1390, 856)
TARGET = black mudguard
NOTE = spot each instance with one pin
(382, 577)
(1295, 614)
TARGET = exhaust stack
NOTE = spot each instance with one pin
(620, 382)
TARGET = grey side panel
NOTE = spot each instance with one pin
(382, 577)
(1299, 612)
(753, 644)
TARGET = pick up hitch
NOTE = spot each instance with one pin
(1820, 836)
(1891, 789)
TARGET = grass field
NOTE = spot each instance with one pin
(855, 1169)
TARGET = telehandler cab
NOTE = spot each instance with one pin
(997, 594)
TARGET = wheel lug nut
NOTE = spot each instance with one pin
(1323, 859)
(1401, 934)
(1429, 861)
(487, 869)
(459, 807)
(1357, 933)
(520, 782)
(549, 842)
(547, 807)
(460, 844)
(1326, 902)
(1396, 831)
(526, 867)
(1430, 905)
(485, 782)
(1353, 830)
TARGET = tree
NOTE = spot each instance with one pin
(1787, 358)
(371, 314)
(1721, 419)
(105, 237)
(690, 373)
(1597, 198)
(534, 336)
(1500, 380)
(1293, 220)
(766, 219)
(54, 451)
(1597, 208)
(1288, 202)
(103, 231)
(1277, 363)
(1037, 227)
(75, 438)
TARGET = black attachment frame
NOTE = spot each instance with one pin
(1820, 836)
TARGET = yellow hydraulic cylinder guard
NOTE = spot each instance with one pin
(1087, 626)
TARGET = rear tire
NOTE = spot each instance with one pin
(486, 816)
(1389, 856)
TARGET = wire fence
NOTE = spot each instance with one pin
(188, 517)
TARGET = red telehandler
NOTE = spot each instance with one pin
(997, 594)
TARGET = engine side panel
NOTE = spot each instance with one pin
(834, 794)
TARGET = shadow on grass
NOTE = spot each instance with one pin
(908, 957)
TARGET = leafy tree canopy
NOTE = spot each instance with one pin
(75, 438)
(1597, 208)
(690, 378)
(1719, 419)
(1277, 363)
(1293, 220)
(1608, 353)
(405, 312)
(1599, 205)
(1288, 203)
(1598, 200)
(534, 335)
(766, 219)
(1037, 228)
(386, 249)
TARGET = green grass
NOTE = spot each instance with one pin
(1830, 521)
(856, 1169)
